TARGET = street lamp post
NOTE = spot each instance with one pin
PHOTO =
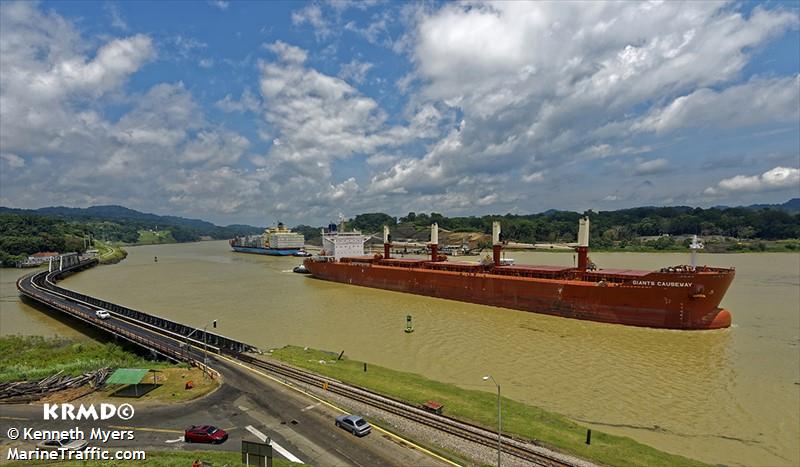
(499, 417)
(205, 343)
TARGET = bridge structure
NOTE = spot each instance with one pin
(63, 262)
(160, 336)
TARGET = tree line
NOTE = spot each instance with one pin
(24, 234)
(608, 228)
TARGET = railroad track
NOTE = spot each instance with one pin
(517, 448)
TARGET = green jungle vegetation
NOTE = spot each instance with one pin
(480, 407)
(762, 228)
(24, 358)
(754, 228)
(24, 232)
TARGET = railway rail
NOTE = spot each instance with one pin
(512, 446)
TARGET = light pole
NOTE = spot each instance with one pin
(205, 343)
(499, 416)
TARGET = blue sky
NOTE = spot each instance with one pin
(253, 112)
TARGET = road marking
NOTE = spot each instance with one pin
(285, 453)
(139, 428)
(14, 418)
(309, 407)
(321, 401)
(281, 450)
(176, 440)
(338, 409)
(258, 434)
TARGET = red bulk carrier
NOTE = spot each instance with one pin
(679, 297)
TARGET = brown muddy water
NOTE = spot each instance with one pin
(729, 396)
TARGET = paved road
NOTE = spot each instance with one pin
(299, 424)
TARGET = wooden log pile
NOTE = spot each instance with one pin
(29, 391)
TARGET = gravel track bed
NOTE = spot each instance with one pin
(473, 453)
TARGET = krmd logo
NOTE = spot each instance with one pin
(84, 412)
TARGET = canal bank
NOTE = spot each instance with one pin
(708, 395)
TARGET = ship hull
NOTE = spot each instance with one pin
(266, 251)
(659, 300)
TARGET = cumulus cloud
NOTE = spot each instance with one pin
(355, 71)
(12, 160)
(287, 53)
(221, 4)
(376, 32)
(766, 100)
(312, 15)
(116, 17)
(161, 148)
(320, 118)
(534, 177)
(774, 179)
(247, 102)
(185, 46)
(543, 86)
(47, 74)
(502, 102)
(650, 167)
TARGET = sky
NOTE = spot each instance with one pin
(259, 112)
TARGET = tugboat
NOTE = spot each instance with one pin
(300, 269)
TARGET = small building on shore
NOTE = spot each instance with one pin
(39, 258)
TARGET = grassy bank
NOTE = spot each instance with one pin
(480, 407)
(153, 237)
(172, 387)
(34, 357)
(165, 459)
(109, 254)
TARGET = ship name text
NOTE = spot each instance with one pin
(662, 284)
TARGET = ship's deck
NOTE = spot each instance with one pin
(623, 272)
(609, 276)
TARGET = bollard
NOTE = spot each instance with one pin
(365, 367)
(589, 436)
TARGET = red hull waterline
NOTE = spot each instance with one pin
(681, 297)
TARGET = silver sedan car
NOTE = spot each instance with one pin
(354, 424)
(63, 444)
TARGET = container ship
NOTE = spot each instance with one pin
(676, 297)
(278, 241)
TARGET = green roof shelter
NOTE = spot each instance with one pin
(132, 377)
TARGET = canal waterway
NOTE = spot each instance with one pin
(728, 396)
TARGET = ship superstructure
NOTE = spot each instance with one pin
(276, 241)
(338, 244)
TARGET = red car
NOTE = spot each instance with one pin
(205, 434)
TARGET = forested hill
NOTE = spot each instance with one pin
(24, 232)
(611, 228)
(113, 212)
